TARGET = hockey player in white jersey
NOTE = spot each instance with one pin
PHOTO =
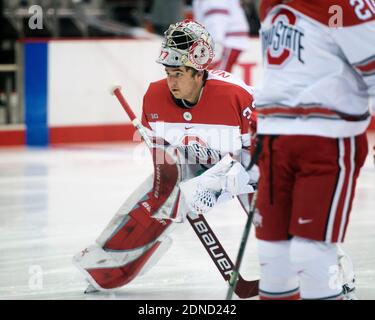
(226, 21)
(204, 119)
(313, 111)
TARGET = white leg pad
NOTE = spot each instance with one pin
(277, 276)
(95, 257)
(317, 267)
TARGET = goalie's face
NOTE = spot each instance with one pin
(184, 83)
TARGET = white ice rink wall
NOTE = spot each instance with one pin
(74, 105)
(81, 73)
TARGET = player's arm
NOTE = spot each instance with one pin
(363, 61)
(249, 140)
(229, 177)
(215, 17)
(223, 181)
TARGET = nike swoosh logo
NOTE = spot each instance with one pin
(304, 221)
(187, 128)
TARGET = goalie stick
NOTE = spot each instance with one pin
(243, 288)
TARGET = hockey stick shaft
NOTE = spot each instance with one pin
(234, 279)
(244, 289)
(136, 123)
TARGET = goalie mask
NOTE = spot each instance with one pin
(188, 44)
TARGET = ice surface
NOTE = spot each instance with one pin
(57, 200)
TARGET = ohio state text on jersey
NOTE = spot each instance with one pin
(330, 97)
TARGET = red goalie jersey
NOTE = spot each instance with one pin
(220, 123)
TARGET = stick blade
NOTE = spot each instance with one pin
(247, 289)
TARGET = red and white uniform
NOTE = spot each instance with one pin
(218, 124)
(312, 112)
(317, 84)
(226, 21)
(221, 122)
(138, 235)
(318, 78)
